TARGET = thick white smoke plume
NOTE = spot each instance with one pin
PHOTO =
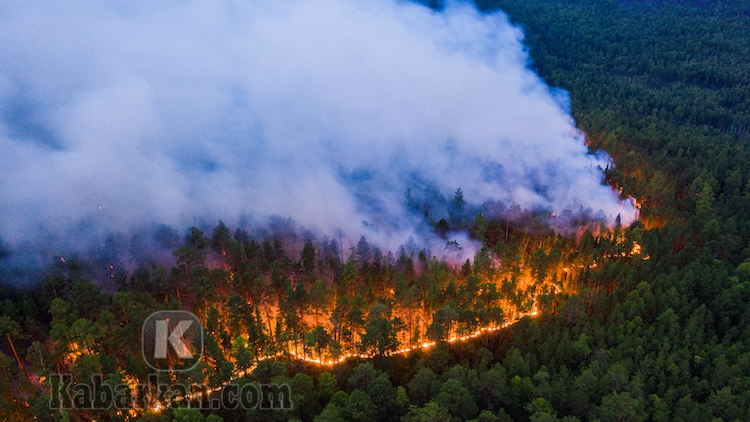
(326, 111)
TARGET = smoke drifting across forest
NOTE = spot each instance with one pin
(340, 114)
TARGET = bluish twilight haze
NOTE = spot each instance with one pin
(118, 114)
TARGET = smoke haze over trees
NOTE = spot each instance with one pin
(359, 116)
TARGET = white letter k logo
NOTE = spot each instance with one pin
(175, 339)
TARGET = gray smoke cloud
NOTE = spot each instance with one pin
(326, 111)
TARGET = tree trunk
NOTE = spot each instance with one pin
(179, 297)
(18, 360)
(268, 319)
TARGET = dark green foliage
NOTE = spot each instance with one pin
(661, 333)
(432, 412)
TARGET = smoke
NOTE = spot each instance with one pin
(340, 114)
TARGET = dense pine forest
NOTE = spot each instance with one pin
(649, 322)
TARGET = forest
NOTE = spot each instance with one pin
(649, 322)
